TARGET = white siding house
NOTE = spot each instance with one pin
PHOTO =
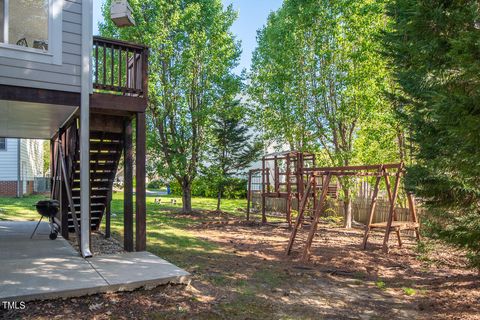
(21, 161)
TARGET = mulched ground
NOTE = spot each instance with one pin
(249, 277)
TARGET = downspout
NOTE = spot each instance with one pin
(19, 172)
(87, 43)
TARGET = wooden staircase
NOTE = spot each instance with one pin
(105, 153)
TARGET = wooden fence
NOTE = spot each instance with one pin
(360, 208)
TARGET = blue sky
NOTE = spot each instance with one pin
(252, 16)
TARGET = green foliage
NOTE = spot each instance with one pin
(318, 78)
(202, 186)
(434, 48)
(46, 157)
(381, 285)
(409, 291)
(155, 184)
(231, 149)
(192, 55)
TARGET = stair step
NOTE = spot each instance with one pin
(96, 175)
(97, 135)
(91, 197)
(93, 184)
(105, 152)
(91, 212)
(104, 157)
(92, 218)
(93, 192)
(105, 146)
(97, 204)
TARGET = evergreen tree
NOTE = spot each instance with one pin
(435, 50)
(232, 148)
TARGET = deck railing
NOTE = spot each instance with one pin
(119, 67)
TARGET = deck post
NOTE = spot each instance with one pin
(140, 214)
(128, 187)
(108, 216)
(63, 195)
(264, 190)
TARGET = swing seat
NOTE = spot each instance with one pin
(396, 225)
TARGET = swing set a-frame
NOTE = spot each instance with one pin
(379, 172)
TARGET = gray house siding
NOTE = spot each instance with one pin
(64, 77)
(9, 161)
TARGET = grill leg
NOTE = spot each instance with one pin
(31, 237)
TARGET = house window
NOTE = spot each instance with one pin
(25, 23)
(3, 144)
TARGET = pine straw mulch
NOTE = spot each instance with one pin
(249, 277)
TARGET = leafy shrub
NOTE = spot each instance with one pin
(155, 184)
(202, 186)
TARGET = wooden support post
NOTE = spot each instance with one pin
(393, 199)
(141, 200)
(128, 187)
(108, 216)
(318, 212)
(71, 204)
(399, 238)
(53, 172)
(314, 195)
(249, 193)
(289, 192)
(372, 207)
(264, 204)
(413, 214)
(276, 173)
(301, 210)
(268, 180)
(60, 192)
(300, 178)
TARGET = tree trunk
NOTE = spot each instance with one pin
(186, 196)
(219, 199)
(347, 210)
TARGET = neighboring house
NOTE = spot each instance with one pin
(21, 161)
(85, 95)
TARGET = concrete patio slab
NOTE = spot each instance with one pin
(39, 268)
(134, 269)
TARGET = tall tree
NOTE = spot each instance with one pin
(193, 52)
(434, 47)
(232, 147)
(317, 78)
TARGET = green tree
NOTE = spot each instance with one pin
(46, 157)
(434, 48)
(317, 79)
(232, 148)
(192, 55)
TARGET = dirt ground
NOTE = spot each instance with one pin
(249, 277)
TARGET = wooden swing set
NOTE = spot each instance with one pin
(325, 175)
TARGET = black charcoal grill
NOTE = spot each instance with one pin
(48, 209)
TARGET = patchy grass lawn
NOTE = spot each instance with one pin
(168, 234)
(19, 209)
(167, 229)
